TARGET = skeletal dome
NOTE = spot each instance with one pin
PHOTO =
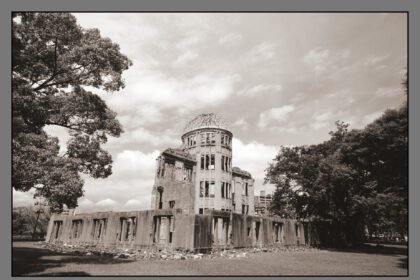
(205, 121)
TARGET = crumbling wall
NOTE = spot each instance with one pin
(174, 185)
(203, 232)
(173, 228)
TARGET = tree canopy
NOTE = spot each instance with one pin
(54, 62)
(356, 179)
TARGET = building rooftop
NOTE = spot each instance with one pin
(210, 120)
(177, 152)
(237, 171)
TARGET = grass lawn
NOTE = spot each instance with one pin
(29, 259)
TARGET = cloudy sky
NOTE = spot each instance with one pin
(277, 79)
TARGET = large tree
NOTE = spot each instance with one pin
(54, 62)
(354, 180)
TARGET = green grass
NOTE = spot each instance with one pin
(28, 259)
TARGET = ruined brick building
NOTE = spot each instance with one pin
(199, 202)
(199, 175)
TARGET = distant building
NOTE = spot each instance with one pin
(262, 203)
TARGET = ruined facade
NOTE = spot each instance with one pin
(199, 202)
(199, 175)
(174, 229)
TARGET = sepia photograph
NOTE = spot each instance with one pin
(209, 143)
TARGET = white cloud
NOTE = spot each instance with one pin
(277, 115)
(141, 135)
(185, 58)
(253, 157)
(132, 179)
(230, 39)
(371, 117)
(322, 117)
(243, 124)
(189, 41)
(138, 203)
(372, 60)
(388, 92)
(317, 58)
(158, 90)
(260, 53)
(105, 203)
(321, 120)
(261, 88)
(135, 164)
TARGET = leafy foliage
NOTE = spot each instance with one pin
(30, 222)
(53, 62)
(355, 179)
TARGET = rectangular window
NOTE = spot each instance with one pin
(171, 203)
(213, 138)
(207, 189)
(200, 211)
(77, 226)
(257, 230)
(207, 162)
(226, 164)
(201, 188)
(203, 138)
(223, 140)
(223, 163)
(212, 161)
(227, 190)
(163, 169)
(202, 162)
(58, 225)
(207, 138)
(223, 190)
(212, 186)
(99, 227)
(246, 189)
(193, 140)
(243, 209)
(128, 228)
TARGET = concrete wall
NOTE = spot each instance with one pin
(173, 185)
(176, 229)
(240, 197)
(141, 234)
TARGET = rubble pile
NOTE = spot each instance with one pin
(163, 254)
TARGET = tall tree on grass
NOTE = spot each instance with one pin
(53, 61)
(355, 179)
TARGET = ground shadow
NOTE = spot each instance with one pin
(374, 249)
(68, 274)
(403, 263)
(28, 260)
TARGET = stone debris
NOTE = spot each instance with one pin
(165, 254)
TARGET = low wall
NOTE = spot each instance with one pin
(173, 228)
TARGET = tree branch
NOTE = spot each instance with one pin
(54, 74)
